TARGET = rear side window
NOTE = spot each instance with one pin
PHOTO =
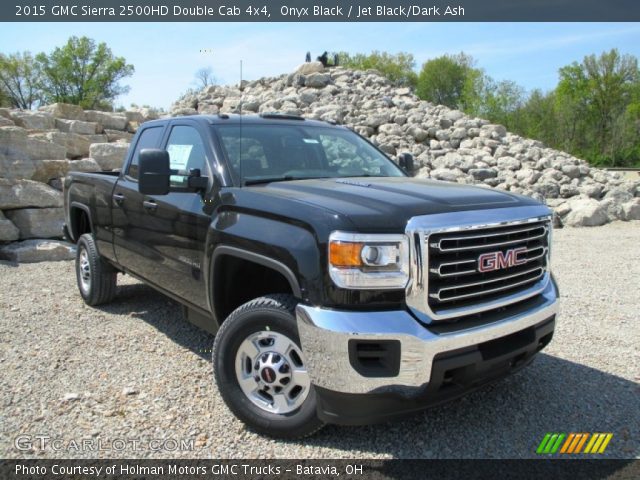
(149, 138)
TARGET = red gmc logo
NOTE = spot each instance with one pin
(488, 262)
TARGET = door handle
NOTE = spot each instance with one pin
(149, 205)
(118, 198)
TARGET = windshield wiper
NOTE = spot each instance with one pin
(282, 178)
(363, 175)
(257, 181)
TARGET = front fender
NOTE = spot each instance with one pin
(287, 247)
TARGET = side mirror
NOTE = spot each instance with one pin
(405, 160)
(153, 171)
(196, 181)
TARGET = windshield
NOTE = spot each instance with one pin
(289, 152)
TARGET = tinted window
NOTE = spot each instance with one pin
(186, 152)
(149, 138)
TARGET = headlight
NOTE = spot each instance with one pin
(367, 261)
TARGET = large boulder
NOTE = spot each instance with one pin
(13, 137)
(38, 149)
(592, 190)
(376, 119)
(482, 174)
(452, 160)
(97, 138)
(33, 120)
(447, 175)
(77, 126)
(16, 144)
(8, 231)
(135, 118)
(392, 129)
(14, 162)
(318, 80)
(75, 145)
(38, 222)
(631, 210)
(182, 112)
(106, 120)
(309, 68)
(38, 250)
(64, 110)
(509, 163)
(27, 193)
(117, 135)
(619, 195)
(47, 170)
(148, 113)
(585, 212)
(84, 165)
(110, 156)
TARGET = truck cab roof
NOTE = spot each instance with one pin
(260, 119)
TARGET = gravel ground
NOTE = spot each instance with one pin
(134, 371)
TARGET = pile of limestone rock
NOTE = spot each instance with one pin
(37, 150)
(447, 144)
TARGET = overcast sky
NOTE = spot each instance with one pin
(166, 55)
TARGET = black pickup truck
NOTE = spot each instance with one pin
(339, 288)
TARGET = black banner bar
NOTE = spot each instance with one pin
(330, 469)
(320, 11)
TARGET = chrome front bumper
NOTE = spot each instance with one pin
(325, 335)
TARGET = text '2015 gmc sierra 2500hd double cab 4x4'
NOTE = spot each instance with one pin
(340, 289)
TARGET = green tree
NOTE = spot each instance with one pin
(499, 101)
(4, 99)
(396, 67)
(449, 80)
(599, 94)
(538, 118)
(19, 79)
(571, 107)
(83, 73)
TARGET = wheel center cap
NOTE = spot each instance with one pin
(268, 374)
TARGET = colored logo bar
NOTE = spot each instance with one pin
(574, 443)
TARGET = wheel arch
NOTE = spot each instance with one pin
(79, 220)
(228, 262)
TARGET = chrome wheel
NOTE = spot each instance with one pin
(271, 372)
(85, 270)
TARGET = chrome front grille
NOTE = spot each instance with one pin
(515, 257)
(464, 266)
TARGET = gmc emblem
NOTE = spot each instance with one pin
(488, 262)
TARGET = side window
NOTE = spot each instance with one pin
(149, 138)
(186, 151)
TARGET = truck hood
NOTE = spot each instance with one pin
(386, 204)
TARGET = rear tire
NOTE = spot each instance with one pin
(96, 278)
(261, 371)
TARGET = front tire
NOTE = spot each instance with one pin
(96, 278)
(261, 371)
